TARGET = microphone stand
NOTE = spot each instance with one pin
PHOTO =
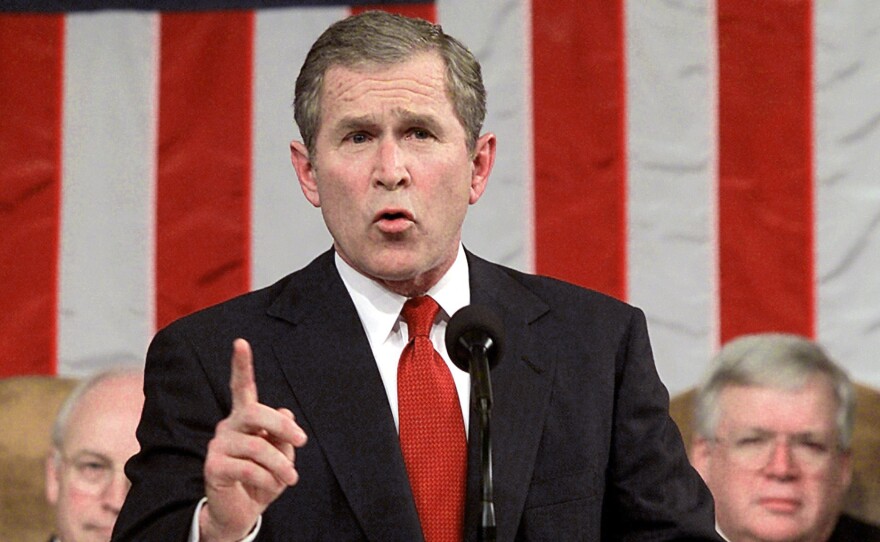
(482, 389)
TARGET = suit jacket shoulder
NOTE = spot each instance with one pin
(582, 437)
(312, 356)
(850, 529)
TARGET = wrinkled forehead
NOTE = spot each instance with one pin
(426, 69)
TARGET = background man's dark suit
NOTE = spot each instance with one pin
(581, 434)
(850, 529)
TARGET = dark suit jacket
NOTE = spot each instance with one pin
(850, 529)
(583, 447)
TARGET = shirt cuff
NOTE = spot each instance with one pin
(194, 526)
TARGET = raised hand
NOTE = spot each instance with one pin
(250, 460)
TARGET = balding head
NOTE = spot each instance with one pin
(93, 437)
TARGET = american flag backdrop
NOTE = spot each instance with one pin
(715, 162)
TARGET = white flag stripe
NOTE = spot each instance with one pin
(287, 231)
(671, 182)
(499, 226)
(847, 135)
(108, 166)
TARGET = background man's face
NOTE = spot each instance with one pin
(84, 481)
(793, 490)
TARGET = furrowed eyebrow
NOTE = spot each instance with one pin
(408, 118)
(350, 124)
(414, 119)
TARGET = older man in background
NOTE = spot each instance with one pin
(774, 422)
(93, 437)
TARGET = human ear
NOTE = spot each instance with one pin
(305, 172)
(52, 474)
(700, 455)
(483, 160)
(846, 470)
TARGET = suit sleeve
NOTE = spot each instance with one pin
(180, 412)
(653, 493)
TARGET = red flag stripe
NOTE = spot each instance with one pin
(30, 192)
(580, 181)
(422, 11)
(765, 167)
(204, 161)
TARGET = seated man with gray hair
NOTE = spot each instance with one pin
(774, 421)
(92, 438)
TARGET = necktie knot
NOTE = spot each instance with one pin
(419, 314)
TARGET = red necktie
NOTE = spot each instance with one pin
(431, 428)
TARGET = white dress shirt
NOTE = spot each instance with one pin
(379, 313)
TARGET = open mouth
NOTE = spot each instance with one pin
(395, 215)
(394, 220)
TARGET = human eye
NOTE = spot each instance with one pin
(813, 446)
(751, 441)
(358, 138)
(420, 133)
(92, 468)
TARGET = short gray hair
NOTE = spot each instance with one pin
(775, 360)
(380, 38)
(59, 427)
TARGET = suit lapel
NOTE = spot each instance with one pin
(521, 393)
(328, 363)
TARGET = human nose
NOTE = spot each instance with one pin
(390, 169)
(116, 491)
(781, 462)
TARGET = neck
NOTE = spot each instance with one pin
(411, 286)
(415, 286)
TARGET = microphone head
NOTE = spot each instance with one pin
(470, 326)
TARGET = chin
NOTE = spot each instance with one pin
(780, 531)
(392, 273)
(394, 267)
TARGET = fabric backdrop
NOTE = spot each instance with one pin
(716, 163)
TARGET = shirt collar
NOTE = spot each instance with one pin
(379, 308)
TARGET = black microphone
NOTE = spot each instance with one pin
(473, 340)
(475, 331)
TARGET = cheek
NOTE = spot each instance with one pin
(824, 492)
(454, 191)
(74, 511)
(730, 485)
(77, 503)
(339, 203)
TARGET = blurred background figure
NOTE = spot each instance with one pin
(773, 432)
(93, 437)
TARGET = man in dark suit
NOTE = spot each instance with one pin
(309, 433)
(774, 422)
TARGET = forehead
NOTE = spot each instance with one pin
(812, 407)
(419, 82)
(106, 416)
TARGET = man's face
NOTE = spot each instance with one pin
(775, 470)
(391, 170)
(84, 481)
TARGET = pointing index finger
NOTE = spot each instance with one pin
(241, 382)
